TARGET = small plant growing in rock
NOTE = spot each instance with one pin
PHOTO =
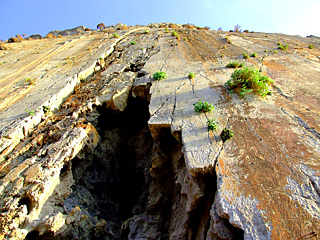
(212, 124)
(275, 51)
(310, 46)
(203, 107)
(266, 50)
(146, 32)
(247, 80)
(254, 55)
(282, 47)
(29, 81)
(30, 112)
(235, 65)
(175, 34)
(222, 55)
(133, 43)
(159, 75)
(226, 134)
(228, 40)
(191, 75)
(116, 35)
(166, 30)
(46, 109)
(245, 56)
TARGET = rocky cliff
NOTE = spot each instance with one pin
(93, 147)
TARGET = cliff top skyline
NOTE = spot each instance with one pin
(38, 17)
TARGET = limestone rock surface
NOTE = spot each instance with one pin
(92, 147)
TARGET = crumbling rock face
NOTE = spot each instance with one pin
(114, 154)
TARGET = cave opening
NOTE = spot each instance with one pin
(112, 182)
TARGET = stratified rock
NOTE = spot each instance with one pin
(98, 149)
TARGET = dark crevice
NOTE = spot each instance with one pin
(32, 235)
(167, 161)
(200, 217)
(109, 183)
(238, 233)
(26, 201)
(35, 235)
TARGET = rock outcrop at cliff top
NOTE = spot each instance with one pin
(92, 147)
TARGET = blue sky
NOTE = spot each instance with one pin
(294, 17)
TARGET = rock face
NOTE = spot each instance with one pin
(107, 152)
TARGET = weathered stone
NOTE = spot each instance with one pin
(111, 153)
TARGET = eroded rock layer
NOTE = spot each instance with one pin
(110, 153)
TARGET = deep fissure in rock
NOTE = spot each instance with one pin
(200, 217)
(109, 183)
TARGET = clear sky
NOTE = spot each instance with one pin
(296, 17)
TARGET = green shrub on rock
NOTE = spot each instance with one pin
(159, 75)
(212, 124)
(235, 65)
(247, 80)
(191, 75)
(203, 107)
(226, 134)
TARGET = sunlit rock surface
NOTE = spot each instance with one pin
(92, 147)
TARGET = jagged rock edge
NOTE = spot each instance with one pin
(11, 135)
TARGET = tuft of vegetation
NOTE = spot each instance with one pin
(310, 46)
(46, 109)
(247, 80)
(275, 51)
(159, 75)
(237, 28)
(166, 30)
(146, 32)
(189, 26)
(235, 65)
(133, 43)
(222, 55)
(266, 50)
(246, 31)
(228, 40)
(203, 107)
(245, 56)
(226, 134)
(29, 81)
(116, 35)
(282, 47)
(212, 124)
(175, 34)
(266, 36)
(30, 112)
(191, 75)
(254, 55)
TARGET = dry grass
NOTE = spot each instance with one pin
(189, 26)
